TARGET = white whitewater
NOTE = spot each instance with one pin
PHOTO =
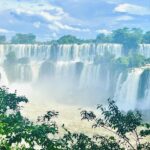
(72, 68)
(3, 78)
(144, 50)
(127, 91)
(90, 76)
(66, 57)
(66, 52)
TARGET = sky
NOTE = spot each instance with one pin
(50, 19)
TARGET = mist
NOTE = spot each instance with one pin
(76, 75)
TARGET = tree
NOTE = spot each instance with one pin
(18, 132)
(23, 38)
(14, 128)
(146, 37)
(130, 38)
(136, 60)
(2, 39)
(102, 38)
(121, 125)
(68, 39)
(121, 63)
(80, 141)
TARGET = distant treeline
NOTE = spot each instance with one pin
(130, 38)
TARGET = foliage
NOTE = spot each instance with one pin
(20, 133)
(130, 38)
(68, 39)
(23, 38)
(122, 63)
(103, 38)
(131, 61)
(2, 39)
(146, 37)
(15, 128)
(120, 124)
(147, 131)
(80, 141)
(10, 101)
(136, 60)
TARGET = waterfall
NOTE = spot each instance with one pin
(3, 77)
(65, 70)
(126, 92)
(35, 68)
(65, 52)
(118, 85)
(144, 89)
(90, 76)
(24, 73)
(114, 49)
(69, 68)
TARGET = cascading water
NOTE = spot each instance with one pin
(90, 76)
(24, 73)
(71, 70)
(144, 89)
(144, 49)
(126, 92)
(3, 77)
(66, 52)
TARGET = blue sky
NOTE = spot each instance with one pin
(50, 19)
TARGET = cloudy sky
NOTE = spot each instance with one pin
(50, 19)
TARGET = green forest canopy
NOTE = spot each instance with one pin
(127, 37)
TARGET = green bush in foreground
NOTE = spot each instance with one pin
(19, 133)
(123, 125)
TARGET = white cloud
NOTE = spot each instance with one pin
(49, 17)
(40, 8)
(104, 31)
(55, 17)
(4, 30)
(124, 18)
(37, 24)
(132, 9)
(61, 26)
(65, 27)
(53, 27)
